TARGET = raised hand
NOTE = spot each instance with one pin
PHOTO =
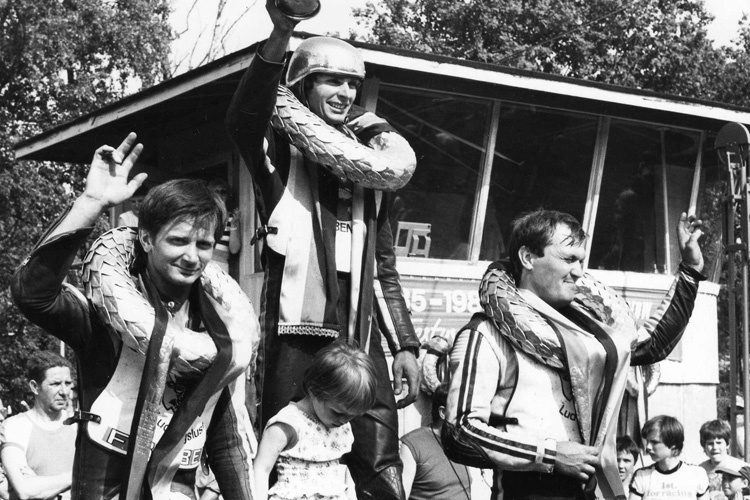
(688, 233)
(107, 180)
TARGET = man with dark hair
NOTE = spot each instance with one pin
(627, 456)
(162, 343)
(538, 377)
(326, 234)
(36, 447)
(668, 475)
(715, 438)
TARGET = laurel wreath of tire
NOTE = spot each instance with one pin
(434, 358)
(385, 168)
(119, 303)
(527, 330)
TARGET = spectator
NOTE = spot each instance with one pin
(428, 474)
(668, 476)
(306, 439)
(130, 217)
(36, 447)
(735, 478)
(715, 438)
(627, 456)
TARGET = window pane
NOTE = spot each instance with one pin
(432, 215)
(542, 159)
(711, 209)
(648, 175)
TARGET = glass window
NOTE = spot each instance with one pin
(542, 159)
(646, 184)
(431, 216)
(711, 208)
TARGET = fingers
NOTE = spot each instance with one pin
(586, 472)
(404, 402)
(398, 379)
(120, 155)
(137, 182)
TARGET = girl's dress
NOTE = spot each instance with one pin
(311, 469)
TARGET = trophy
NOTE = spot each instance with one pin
(298, 10)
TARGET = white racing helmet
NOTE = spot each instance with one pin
(322, 54)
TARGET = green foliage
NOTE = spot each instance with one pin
(59, 59)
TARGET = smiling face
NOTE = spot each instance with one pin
(51, 396)
(177, 255)
(331, 96)
(552, 276)
(716, 449)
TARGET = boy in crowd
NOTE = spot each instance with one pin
(627, 456)
(735, 478)
(668, 476)
(715, 436)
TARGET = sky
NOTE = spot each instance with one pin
(727, 13)
(246, 22)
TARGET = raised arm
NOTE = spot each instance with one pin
(107, 185)
(37, 285)
(661, 333)
(252, 105)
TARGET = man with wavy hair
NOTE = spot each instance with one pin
(538, 377)
(326, 234)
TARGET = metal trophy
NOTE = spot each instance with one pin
(298, 10)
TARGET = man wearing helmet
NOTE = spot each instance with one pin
(325, 238)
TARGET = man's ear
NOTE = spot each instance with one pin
(34, 387)
(146, 241)
(526, 257)
(441, 412)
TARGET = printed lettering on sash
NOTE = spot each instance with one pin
(344, 230)
(567, 406)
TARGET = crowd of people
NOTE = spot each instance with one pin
(166, 342)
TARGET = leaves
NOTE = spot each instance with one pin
(659, 45)
(59, 59)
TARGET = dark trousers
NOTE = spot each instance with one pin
(374, 461)
(538, 486)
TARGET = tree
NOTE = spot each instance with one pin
(59, 59)
(659, 45)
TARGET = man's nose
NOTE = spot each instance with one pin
(191, 253)
(577, 269)
(344, 90)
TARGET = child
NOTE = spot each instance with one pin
(715, 439)
(735, 478)
(306, 439)
(668, 476)
(627, 456)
